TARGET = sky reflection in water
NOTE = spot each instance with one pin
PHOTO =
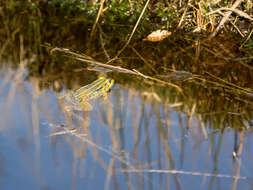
(130, 141)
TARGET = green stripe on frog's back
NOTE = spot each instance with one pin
(102, 91)
(91, 86)
(98, 88)
(79, 99)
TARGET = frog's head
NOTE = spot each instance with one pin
(109, 84)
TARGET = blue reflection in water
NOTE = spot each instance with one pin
(125, 142)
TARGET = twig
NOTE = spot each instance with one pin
(231, 84)
(97, 18)
(183, 15)
(88, 59)
(131, 35)
(143, 59)
(102, 42)
(225, 18)
(238, 30)
(246, 39)
(159, 81)
(139, 73)
(181, 172)
(237, 11)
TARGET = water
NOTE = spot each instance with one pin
(132, 140)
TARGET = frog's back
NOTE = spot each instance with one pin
(79, 99)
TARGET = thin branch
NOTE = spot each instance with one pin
(246, 39)
(87, 59)
(225, 18)
(237, 11)
(97, 18)
(131, 35)
(181, 172)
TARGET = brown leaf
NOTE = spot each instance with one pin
(157, 35)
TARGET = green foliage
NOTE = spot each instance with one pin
(165, 13)
(65, 5)
(122, 12)
(19, 6)
(249, 45)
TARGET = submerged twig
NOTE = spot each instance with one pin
(143, 59)
(90, 60)
(181, 172)
(231, 84)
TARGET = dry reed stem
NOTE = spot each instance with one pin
(97, 18)
(35, 120)
(202, 126)
(183, 16)
(110, 173)
(225, 18)
(248, 37)
(190, 115)
(231, 84)
(102, 42)
(236, 11)
(143, 59)
(237, 174)
(238, 30)
(95, 147)
(131, 35)
(181, 172)
(17, 78)
(225, 86)
(239, 152)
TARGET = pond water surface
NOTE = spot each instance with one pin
(132, 140)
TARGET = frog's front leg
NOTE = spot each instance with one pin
(105, 96)
(85, 105)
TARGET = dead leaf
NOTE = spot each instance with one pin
(157, 35)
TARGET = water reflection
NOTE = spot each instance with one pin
(132, 140)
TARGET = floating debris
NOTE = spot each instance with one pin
(157, 36)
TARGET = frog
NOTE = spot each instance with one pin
(78, 100)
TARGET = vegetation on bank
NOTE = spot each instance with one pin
(194, 15)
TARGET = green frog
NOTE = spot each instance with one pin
(79, 99)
